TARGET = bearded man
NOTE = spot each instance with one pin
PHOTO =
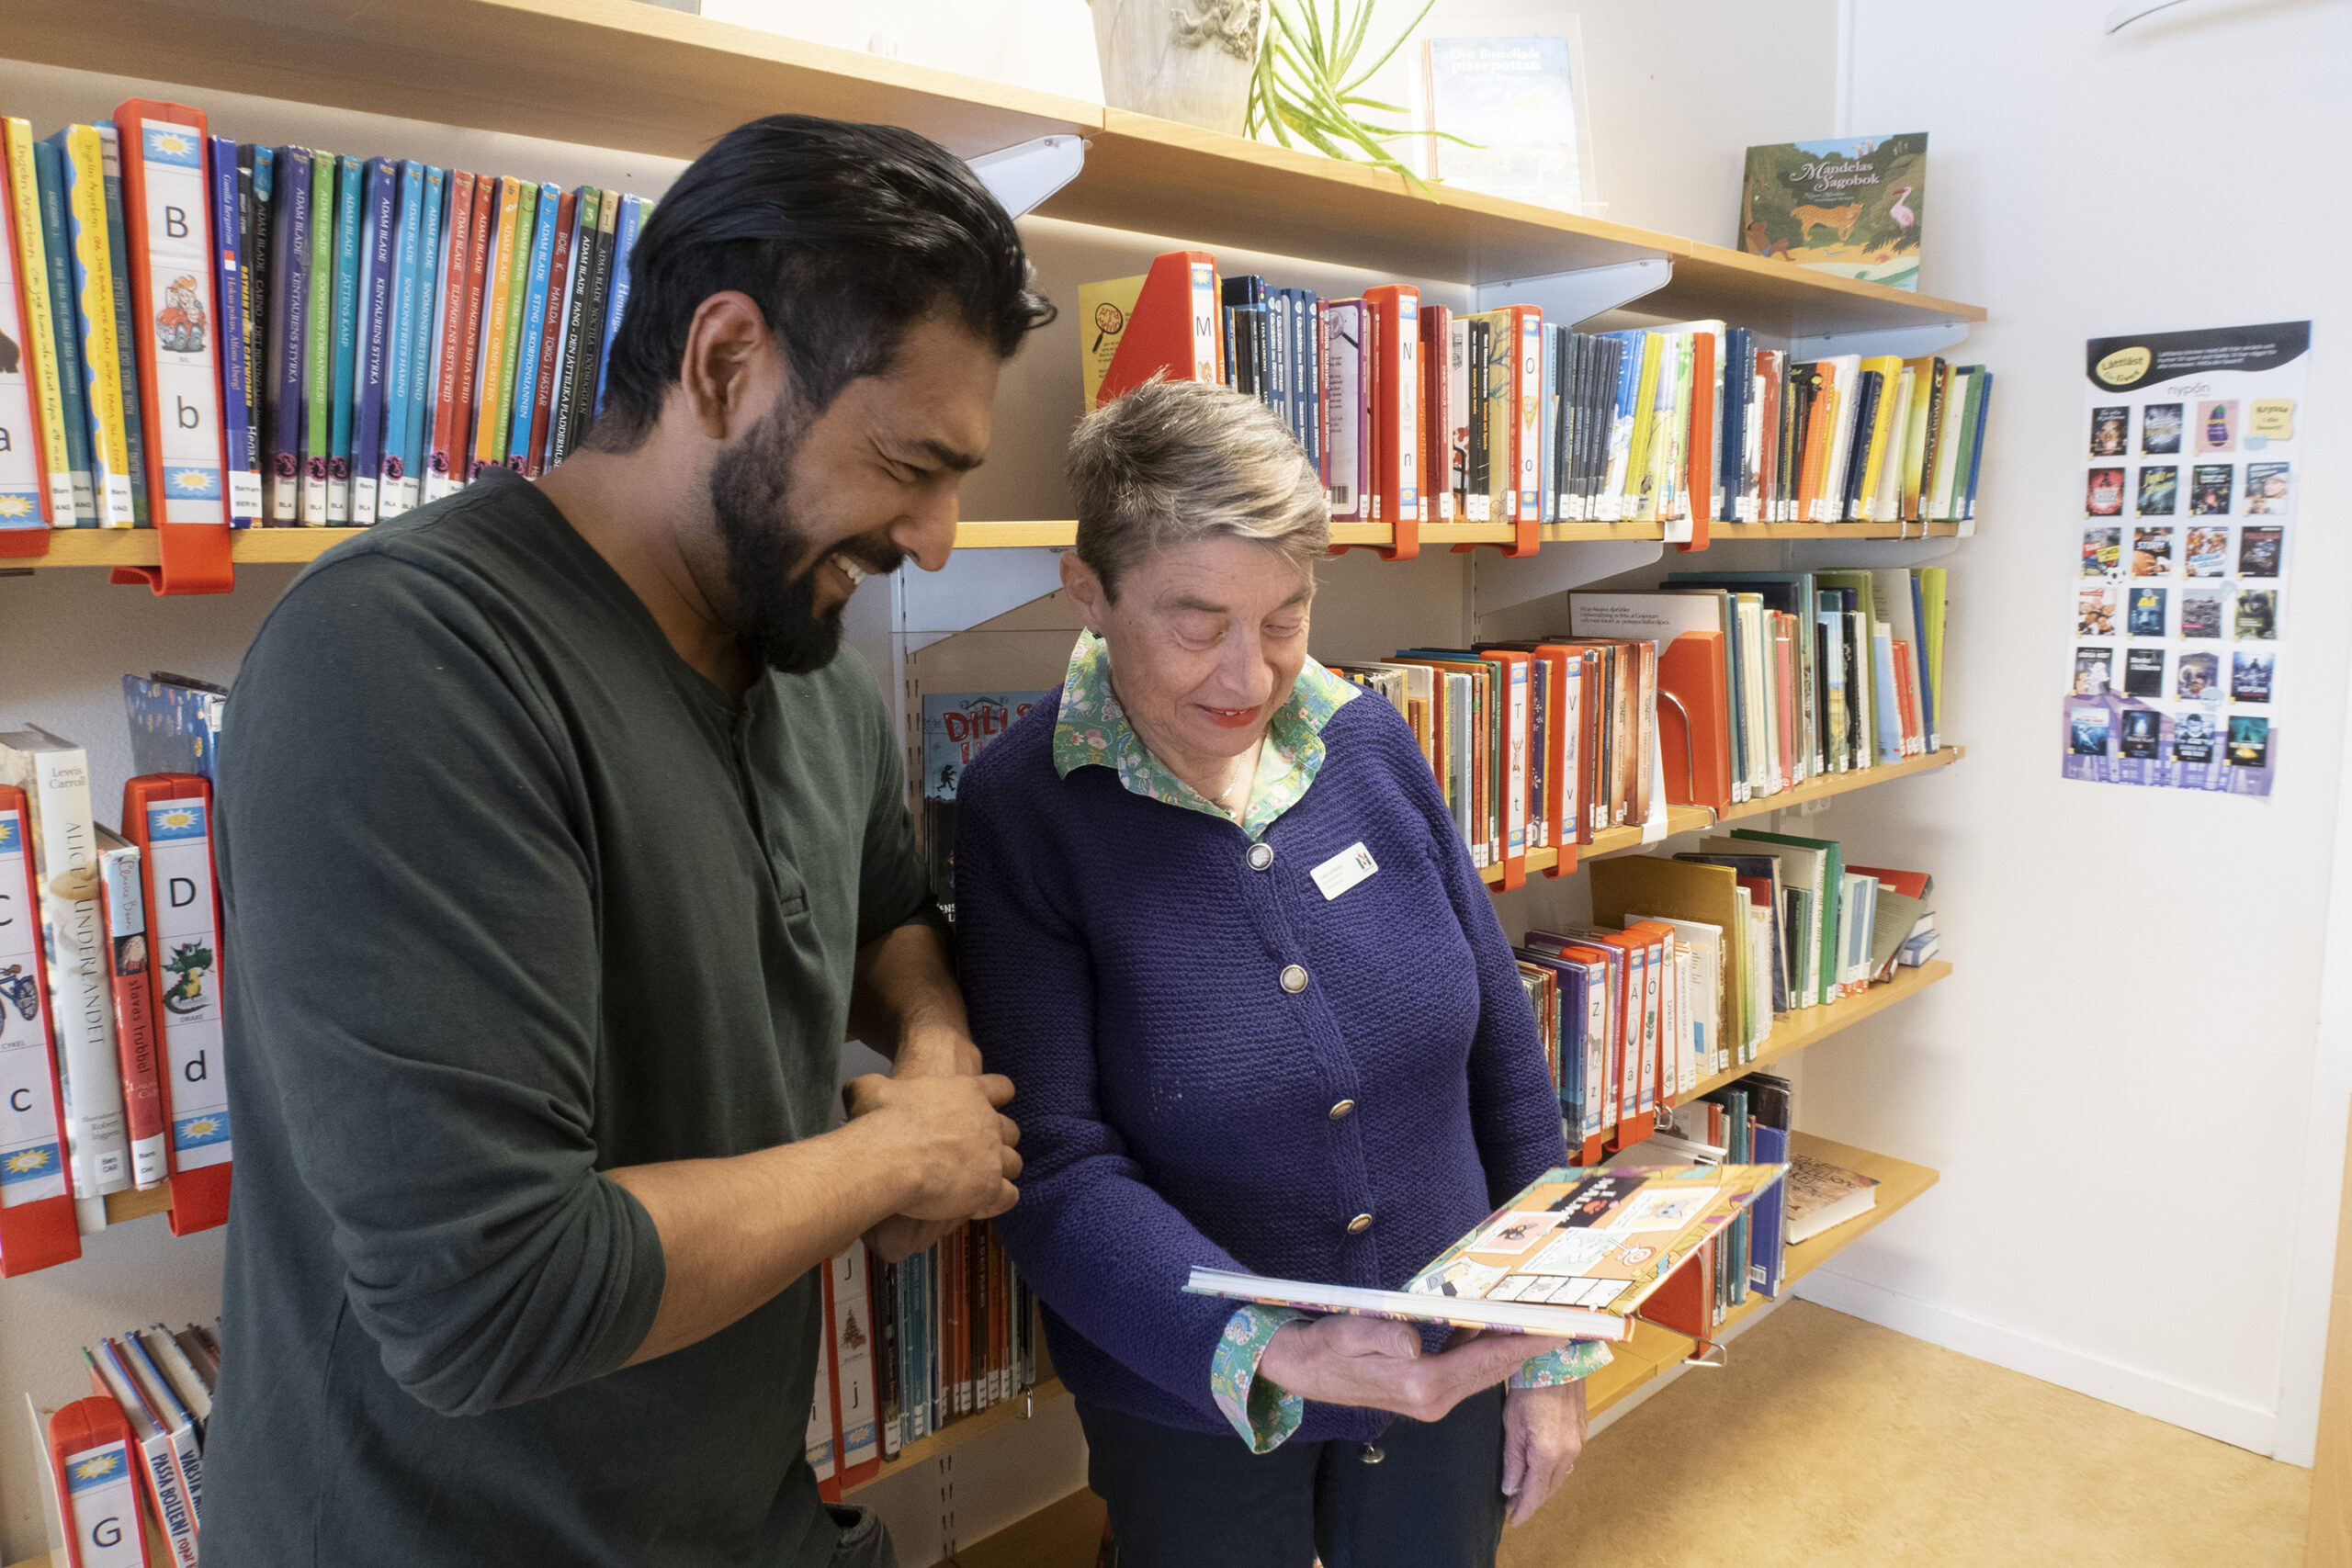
(560, 853)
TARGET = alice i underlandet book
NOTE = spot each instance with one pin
(1573, 1257)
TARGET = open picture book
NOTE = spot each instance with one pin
(1576, 1256)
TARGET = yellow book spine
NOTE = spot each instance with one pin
(94, 303)
(1889, 371)
(1638, 461)
(1104, 311)
(487, 427)
(41, 334)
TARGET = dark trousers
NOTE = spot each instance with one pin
(1432, 1499)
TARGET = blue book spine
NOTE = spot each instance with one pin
(535, 321)
(399, 383)
(290, 289)
(236, 370)
(422, 347)
(1976, 454)
(1738, 350)
(349, 200)
(134, 442)
(379, 220)
(1308, 363)
(48, 173)
(625, 232)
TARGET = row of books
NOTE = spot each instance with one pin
(1690, 960)
(1715, 688)
(912, 1346)
(126, 1467)
(116, 983)
(1412, 413)
(199, 330)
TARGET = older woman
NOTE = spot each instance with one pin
(1219, 930)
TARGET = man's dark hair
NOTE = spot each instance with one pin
(844, 234)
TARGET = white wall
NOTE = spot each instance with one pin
(2130, 1039)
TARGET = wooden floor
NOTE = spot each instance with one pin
(1829, 1443)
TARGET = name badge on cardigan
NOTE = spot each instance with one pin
(1343, 871)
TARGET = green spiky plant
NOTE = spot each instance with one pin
(1308, 84)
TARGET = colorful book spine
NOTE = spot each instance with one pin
(170, 816)
(97, 1486)
(489, 423)
(499, 414)
(377, 224)
(583, 263)
(559, 272)
(318, 344)
(66, 338)
(255, 251)
(400, 331)
(82, 161)
(448, 310)
(135, 434)
(32, 1119)
(289, 294)
(121, 896)
(600, 277)
(350, 199)
(23, 479)
(476, 323)
(229, 338)
(632, 219)
(422, 367)
(35, 328)
(170, 263)
(530, 345)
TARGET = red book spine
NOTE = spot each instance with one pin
(469, 349)
(138, 1049)
(441, 466)
(551, 343)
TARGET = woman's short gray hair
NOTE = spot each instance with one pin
(1173, 462)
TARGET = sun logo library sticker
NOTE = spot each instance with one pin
(2189, 498)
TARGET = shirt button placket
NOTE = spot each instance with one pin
(1293, 978)
(1261, 856)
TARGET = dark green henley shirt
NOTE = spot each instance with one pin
(514, 897)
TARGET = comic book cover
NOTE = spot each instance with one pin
(956, 728)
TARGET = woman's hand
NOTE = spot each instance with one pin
(1378, 1365)
(1543, 1435)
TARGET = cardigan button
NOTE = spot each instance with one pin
(1261, 856)
(1371, 1454)
(1359, 1224)
(1339, 1112)
(1294, 978)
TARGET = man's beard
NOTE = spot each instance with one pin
(776, 619)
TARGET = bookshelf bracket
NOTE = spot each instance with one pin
(1568, 297)
(929, 607)
(1903, 343)
(1823, 555)
(1499, 583)
(1023, 174)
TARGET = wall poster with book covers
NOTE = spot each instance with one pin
(2191, 498)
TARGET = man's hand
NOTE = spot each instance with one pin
(1378, 1365)
(1543, 1435)
(946, 1135)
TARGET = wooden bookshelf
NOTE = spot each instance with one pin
(254, 546)
(1802, 1027)
(1680, 820)
(550, 68)
(959, 1432)
(138, 1205)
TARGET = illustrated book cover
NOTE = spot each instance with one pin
(1849, 207)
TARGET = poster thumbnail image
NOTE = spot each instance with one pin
(2197, 674)
(2094, 613)
(2259, 549)
(2208, 552)
(2192, 737)
(2159, 429)
(2092, 667)
(2151, 552)
(2102, 551)
(2200, 613)
(2103, 497)
(2250, 672)
(2266, 490)
(2144, 673)
(2211, 486)
(2147, 612)
(2141, 731)
(2159, 489)
(2256, 616)
(2089, 731)
(2249, 742)
(2110, 430)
